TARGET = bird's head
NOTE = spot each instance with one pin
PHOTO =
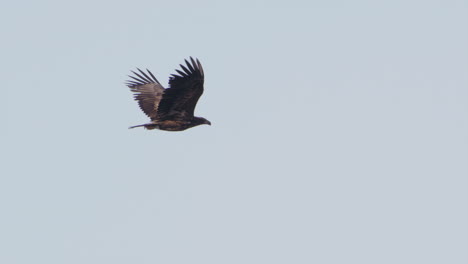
(206, 122)
(202, 121)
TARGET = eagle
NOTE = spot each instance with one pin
(170, 109)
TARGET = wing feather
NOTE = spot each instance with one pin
(185, 89)
(185, 69)
(190, 65)
(148, 92)
(181, 73)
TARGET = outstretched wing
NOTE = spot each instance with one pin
(186, 87)
(147, 91)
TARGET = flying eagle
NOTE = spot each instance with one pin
(170, 109)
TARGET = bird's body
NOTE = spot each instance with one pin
(173, 125)
(170, 109)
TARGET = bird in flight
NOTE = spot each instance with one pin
(170, 109)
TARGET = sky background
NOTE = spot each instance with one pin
(340, 133)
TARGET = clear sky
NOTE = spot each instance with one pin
(340, 133)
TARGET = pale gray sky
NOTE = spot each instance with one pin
(340, 133)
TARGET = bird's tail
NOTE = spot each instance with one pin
(147, 126)
(138, 126)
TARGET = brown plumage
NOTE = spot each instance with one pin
(170, 109)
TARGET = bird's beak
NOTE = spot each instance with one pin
(208, 122)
